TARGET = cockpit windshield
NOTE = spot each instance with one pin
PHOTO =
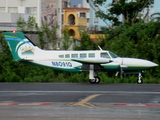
(113, 55)
(105, 55)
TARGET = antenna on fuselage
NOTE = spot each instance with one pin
(99, 47)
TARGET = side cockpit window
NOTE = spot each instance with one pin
(105, 55)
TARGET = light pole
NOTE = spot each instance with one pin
(59, 23)
(60, 17)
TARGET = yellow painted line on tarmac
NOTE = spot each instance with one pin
(84, 102)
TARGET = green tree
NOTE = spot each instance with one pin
(21, 24)
(66, 40)
(141, 40)
(41, 34)
(49, 34)
(31, 23)
(13, 71)
(7, 64)
(85, 43)
(3, 44)
(28, 25)
(122, 11)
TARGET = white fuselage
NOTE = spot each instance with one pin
(73, 60)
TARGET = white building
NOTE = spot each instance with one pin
(47, 10)
(12, 10)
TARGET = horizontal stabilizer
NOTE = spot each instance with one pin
(26, 59)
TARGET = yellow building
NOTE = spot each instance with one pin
(75, 19)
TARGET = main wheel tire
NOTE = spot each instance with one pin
(92, 81)
(97, 80)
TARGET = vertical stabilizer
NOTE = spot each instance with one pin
(19, 45)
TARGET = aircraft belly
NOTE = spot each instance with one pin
(125, 66)
(130, 67)
(68, 66)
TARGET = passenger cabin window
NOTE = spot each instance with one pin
(67, 56)
(74, 55)
(91, 55)
(105, 55)
(83, 55)
(61, 56)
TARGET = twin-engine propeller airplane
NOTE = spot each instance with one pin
(92, 61)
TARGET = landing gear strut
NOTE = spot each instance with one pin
(139, 81)
(93, 76)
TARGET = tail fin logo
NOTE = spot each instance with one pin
(20, 46)
(25, 48)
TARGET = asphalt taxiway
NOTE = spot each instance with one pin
(70, 101)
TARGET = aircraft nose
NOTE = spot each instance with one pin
(146, 64)
(152, 64)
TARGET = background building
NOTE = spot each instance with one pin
(75, 20)
(94, 23)
(13, 10)
(46, 10)
(51, 11)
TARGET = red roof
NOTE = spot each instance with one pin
(77, 9)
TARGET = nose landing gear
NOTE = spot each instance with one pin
(139, 81)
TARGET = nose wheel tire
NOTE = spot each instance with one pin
(139, 81)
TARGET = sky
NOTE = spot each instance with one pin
(76, 2)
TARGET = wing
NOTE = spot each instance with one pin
(92, 60)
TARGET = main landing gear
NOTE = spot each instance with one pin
(96, 80)
(93, 75)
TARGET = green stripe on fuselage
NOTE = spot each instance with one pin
(76, 69)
